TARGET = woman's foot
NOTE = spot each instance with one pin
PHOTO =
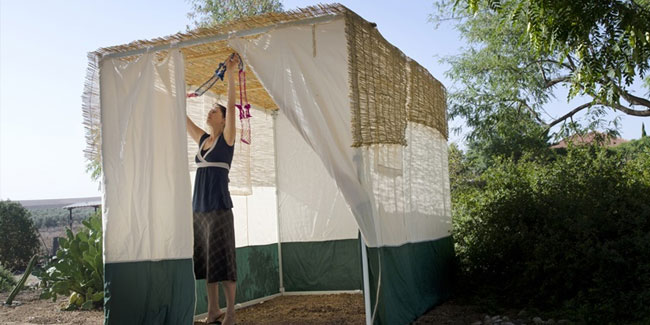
(217, 319)
(229, 319)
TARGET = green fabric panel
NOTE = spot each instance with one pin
(258, 276)
(317, 266)
(149, 292)
(414, 278)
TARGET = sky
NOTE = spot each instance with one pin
(43, 48)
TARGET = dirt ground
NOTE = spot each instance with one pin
(32, 310)
(302, 309)
(306, 309)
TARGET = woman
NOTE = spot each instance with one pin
(214, 233)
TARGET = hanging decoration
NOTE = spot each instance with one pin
(243, 106)
(244, 109)
(218, 75)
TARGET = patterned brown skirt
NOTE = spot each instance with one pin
(214, 246)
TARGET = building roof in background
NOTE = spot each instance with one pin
(589, 138)
(58, 203)
(93, 204)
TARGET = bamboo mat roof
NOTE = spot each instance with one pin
(203, 58)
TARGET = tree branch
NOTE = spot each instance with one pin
(541, 68)
(531, 110)
(549, 61)
(571, 63)
(569, 114)
(630, 111)
(634, 100)
(553, 82)
(617, 106)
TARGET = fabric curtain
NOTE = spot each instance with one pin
(147, 212)
(304, 69)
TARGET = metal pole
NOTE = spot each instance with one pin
(274, 115)
(366, 280)
(221, 37)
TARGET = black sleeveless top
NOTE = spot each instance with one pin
(211, 183)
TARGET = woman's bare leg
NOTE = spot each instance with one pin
(229, 288)
(214, 311)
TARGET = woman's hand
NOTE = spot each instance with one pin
(232, 64)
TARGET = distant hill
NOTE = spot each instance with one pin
(50, 213)
(56, 203)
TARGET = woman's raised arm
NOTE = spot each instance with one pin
(232, 70)
(194, 131)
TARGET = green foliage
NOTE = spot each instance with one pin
(510, 135)
(457, 166)
(94, 158)
(94, 166)
(7, 280)
(643, 135)
(632, 149)
(18, 235)
(21, 282)
(208, 13)
(503, 83)
(606, 43)
(569, 234)
(77, 267)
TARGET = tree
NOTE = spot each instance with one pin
(209, 12)
(457, 166)
(18, 235)
(603, 44)
(643, 135)
(502, 92)
(509, 72)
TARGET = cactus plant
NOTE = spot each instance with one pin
(21, 283)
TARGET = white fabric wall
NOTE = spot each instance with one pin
(256, 218)
(311, 206)
(411, 186)
(147, 212)
(307, 78)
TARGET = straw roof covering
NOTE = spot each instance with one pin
(378, 85)
(387, 89)
(202, 59)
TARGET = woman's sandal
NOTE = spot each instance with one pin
(216, 321)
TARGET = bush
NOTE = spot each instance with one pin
(18, 236)
(7, 280)
(570, 234)
(77, 270)
(631, 149)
